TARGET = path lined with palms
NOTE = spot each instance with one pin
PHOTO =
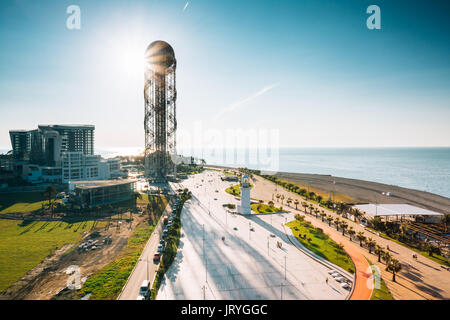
(406, 277)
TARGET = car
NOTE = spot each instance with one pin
(139, 297)
(272, 235)
(161, 241)
(160, 248)
(252, 229)
(235, 228)
(340, 279)
(217, 190)
(215, 198)
(336, 275)
(144, 289)
(345, 285)
(332, 271)
(156, 257)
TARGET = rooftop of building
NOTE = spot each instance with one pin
(67, 126)
(93, 184)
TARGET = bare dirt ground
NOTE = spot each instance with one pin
(49, 278)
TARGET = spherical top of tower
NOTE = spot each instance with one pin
(159, 56)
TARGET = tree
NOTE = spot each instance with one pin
(271, 204)
(316, 211)
(278, 196)
(311, 207)
(379, 251)
(323, 215)
(282, 198)
(361, 237)
(370, 243)
(356, 213)
(304, 205)
(50, 193)
(394, 266)
(336, 222)
(319, 199)
(289, 201)
(311, 195)
(329, 219)
(446, 221)
(351, 232)
(386, 256)
(296, 202)
(344, 226)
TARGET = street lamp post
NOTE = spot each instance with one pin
(284, 267)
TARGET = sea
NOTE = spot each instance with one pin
(424, 168)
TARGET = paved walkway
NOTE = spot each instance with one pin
(418, 280)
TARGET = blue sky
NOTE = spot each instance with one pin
(309, 69)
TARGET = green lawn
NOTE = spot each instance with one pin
(381, 293)
(21, 202)
(236, 188)
(24, 245)
(264, 208)
(321, 244)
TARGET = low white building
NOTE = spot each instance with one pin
(77, 166)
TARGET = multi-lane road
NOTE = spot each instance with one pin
(230, 256)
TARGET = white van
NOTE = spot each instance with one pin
(144, 290)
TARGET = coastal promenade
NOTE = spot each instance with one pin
(418, 280)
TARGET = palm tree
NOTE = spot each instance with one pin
(271, 204)
(370, 243)
(289, 201)
(344, 226)
(311, 195)
(323, 214)
(446, 221)
(356, 213)
(278, 196)
(319, 199)
(282, 198)
(386, 256)
(329, 219)
(351, 232)
(336, 222)
(296, 202)
(395, 266)
(316, 211)
(379, 251)
(361, 237)
(50, 193)
(304, 205)
(311, 207)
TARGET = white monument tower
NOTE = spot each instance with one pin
(245, 196)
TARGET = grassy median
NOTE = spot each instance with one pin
(321, 244)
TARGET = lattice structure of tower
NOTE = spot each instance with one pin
(160, 122)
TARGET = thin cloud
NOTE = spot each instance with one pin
(245, 101)
(185, 6)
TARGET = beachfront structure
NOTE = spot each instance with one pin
(245, 207)
(400, 211)
(160, 122)
(102, 192)
(20, 143)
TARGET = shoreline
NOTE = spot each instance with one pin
(364, 191)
